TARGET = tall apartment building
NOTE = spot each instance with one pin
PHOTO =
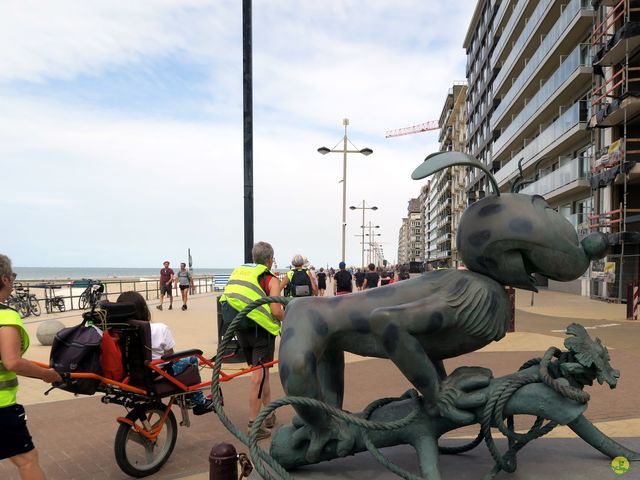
(453, 137)
(529, 80)
(410, 238)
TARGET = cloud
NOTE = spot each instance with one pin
(116, 157)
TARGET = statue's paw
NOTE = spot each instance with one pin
(319, 438)
(459, 394)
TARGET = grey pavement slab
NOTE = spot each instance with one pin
(545, 459)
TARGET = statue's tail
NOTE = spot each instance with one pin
(598, 440)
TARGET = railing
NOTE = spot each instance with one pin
(568, 173)
(533, 23)
(506, 32)
(149, 289)
(579, 57)
(558, 30)
(576, 113)
(602, 29)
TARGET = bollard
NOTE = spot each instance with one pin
(223, 462)
(632, 301)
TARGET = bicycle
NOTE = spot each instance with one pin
(24, 302)
(54, 301)
(91, 295)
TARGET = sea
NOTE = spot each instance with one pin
(102, 273)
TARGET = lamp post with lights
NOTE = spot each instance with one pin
(344, 151)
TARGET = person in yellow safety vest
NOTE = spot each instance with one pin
(15, 440)
(248, 283)
(304, 284)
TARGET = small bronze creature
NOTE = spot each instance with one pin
(503, 240)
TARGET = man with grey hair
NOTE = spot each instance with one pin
(248, 283)
(15, 440)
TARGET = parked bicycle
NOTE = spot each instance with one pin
(53, 301)
(91, 296)
(23, 301)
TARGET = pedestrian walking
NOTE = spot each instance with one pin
(343, 281)
(371, 278)
(359, 278)
(248, 283)
(185, 283)
(166, 285)
(299, 282)
(322, 282)
(15, 440)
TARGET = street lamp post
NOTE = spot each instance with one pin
(364, 151)
(363, 208)
(371, 241)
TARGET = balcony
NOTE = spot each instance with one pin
(570, 17)
(515, 52)
(617, 100)
(507, 32)
(572, 74)
(578, 58)
(566, 178)
(617, 34)
(570, 123)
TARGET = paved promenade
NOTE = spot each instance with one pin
(74, 435)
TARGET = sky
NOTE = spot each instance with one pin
(121, 140)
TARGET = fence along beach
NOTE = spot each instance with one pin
(48, 282)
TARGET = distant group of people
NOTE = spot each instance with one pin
(168, 278)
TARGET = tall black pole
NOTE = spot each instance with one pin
(247, 97)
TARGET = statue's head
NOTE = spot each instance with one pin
(509, 237)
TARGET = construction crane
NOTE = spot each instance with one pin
(423, 127)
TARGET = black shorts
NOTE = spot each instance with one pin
(184, 287)
(15, 438)
(166, 289)
(257, 344)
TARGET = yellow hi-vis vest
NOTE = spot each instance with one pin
(8, 379)
(243, 288)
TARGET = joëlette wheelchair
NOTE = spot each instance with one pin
(147, 435)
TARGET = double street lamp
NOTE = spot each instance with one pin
(363, 208)
(344, 151)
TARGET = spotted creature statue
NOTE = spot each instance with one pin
(503, 240)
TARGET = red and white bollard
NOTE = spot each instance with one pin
(632, 301)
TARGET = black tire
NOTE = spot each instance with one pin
(132, 449)
(34, 305)
(83, 301)
(23, 308)
(59, 303)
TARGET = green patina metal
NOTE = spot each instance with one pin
(504, 239)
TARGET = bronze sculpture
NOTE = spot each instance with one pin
(503, 239)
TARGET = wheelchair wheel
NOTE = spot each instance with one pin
(138, 456)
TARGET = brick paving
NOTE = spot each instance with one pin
(75, 436)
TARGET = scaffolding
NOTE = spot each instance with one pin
(615, 105)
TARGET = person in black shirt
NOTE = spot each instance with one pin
(343, 281)
(371, 278)
(359, 279)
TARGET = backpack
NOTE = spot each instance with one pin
(77, 350)
(301, 283)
